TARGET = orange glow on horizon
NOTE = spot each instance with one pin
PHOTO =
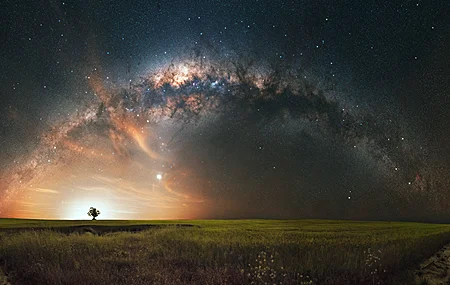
(68, 173)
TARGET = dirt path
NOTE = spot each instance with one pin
(436, 269)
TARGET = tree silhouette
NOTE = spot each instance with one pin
(93, 212)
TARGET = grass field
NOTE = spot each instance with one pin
(216, 252)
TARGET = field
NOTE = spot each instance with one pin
(215, 251)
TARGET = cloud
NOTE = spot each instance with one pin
(44, 190)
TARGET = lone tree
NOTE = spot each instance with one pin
(93, 212)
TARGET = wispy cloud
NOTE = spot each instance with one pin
(46, 190)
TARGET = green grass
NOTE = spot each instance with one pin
(220, 252)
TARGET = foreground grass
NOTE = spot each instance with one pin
(220, 252)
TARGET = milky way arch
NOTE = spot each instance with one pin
(213, 94)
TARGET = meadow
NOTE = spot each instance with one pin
(216, 251)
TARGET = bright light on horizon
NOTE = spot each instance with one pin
(158, 176)
(77, 210)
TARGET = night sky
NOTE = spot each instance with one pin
(225, 109)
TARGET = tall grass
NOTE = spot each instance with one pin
(226, 252)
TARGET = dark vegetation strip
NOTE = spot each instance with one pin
(100, 229)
